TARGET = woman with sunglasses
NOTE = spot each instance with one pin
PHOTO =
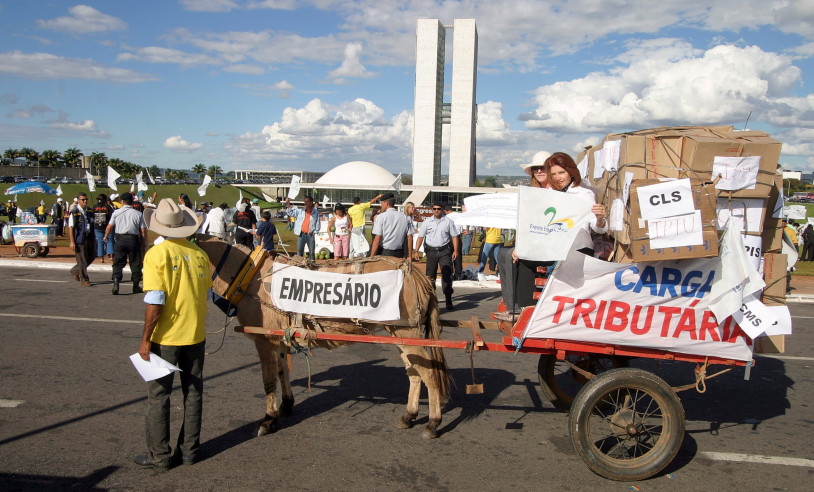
(537, 170)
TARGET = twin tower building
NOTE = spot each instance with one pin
(431, 112)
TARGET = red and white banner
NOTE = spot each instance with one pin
(371, 296)
(655, 305)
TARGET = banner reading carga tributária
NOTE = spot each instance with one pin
(371, 296)
(656, 305)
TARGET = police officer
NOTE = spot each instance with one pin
(131, 242)
(439, 231)
(392, 231)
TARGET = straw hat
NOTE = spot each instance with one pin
(537, 161)
(171, 220)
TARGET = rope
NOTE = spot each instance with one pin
(701, 377)
(291, 340)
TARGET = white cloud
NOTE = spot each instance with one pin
(245, 68)
(179, 144)
(491, 128)
(84, 20)
(351, 65)
(86, 125)
(283, 85)
(157, 54)
(30, 112)
(209, 5)
(667, 83)
(48, 66)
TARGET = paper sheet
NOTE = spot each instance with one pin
(746, 214)
(754, 317)
(672, 232)
(737, 173)
(753, 245)
(154, 369)
(669, 199)
(783, 325)
(583, 166)
(617, 215)
(608, 156)
(626, 189)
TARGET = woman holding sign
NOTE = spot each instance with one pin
(563, 175)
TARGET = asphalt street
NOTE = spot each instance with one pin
(72, 410)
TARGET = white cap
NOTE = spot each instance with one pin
(59, 199)
(537, 161)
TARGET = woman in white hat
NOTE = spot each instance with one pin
(537, 171)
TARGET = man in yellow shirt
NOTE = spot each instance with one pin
(358, 241)
(176, 282)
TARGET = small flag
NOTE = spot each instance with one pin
(91, 182)
(112, 176)
(132, 188)
(59, 190)
(324, 201)
(202, 189)
(152, 181)
(397, 184)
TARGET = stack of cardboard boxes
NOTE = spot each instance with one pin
(625, 162)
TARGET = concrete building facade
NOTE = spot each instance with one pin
(430, 111)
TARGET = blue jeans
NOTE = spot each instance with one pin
(304, 239)
(101, 250)
(467, 243)
(488, 249)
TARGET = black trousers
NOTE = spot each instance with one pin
(127, 247)
(458, 263)
(440, 257)
(244, 238)
(395, 253)
(517, 280)
(808, 251)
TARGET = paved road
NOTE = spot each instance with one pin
(72, 408)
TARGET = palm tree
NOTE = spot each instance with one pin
(214, 171)
(199, 169)
(11, 154)
(50, 158)
(71, 157)
(30, 155)
(98, 161)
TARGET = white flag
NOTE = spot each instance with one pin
(202, 189)
(294, 190)
(132, 188)
(397, 184)
(112, 176)
(142, 186)
(324, 201)
(91, 182)
(152, 181)
(59, 190)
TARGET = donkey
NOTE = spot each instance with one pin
(418, 308)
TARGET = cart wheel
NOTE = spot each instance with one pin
(44, 251)
(31, 250)
(626, 424)
(560, 383)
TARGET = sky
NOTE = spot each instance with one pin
(311, 84)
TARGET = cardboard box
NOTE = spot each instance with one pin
(772, 235)
(704, 199)
(773, 344)
(775, 268)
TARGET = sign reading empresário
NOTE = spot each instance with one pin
(372, 296)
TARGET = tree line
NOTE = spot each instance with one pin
(72, 158)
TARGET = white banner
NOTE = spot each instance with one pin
(489, 210)
(112, 176)
(370, 296)
(202, 189)
(548, 222)
(91, 182)
(654, 305)
(294, 189)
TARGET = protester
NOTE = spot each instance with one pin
(306, 225)
(808, 241)
(392, 232)
(457, 264)
(439, 230)
(358, 241)
(41, 212)
(101, 218)
(82, 239)
(217, 222)
(266, 231)
(57, 216)
(491, 247)
(339, 232)
(537, 170)
(244, 223)
(131, 242)
(176, 279)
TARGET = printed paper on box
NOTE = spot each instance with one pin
(746, 214)
(666, 199)
(671, 232)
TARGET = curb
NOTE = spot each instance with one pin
(57, 265)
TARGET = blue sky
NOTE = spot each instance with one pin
(284, 84)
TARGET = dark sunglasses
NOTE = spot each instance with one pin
(437, 208)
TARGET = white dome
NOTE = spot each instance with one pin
(356, 173)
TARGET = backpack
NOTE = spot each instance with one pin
(100, 216)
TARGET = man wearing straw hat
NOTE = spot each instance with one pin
(176, 281)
